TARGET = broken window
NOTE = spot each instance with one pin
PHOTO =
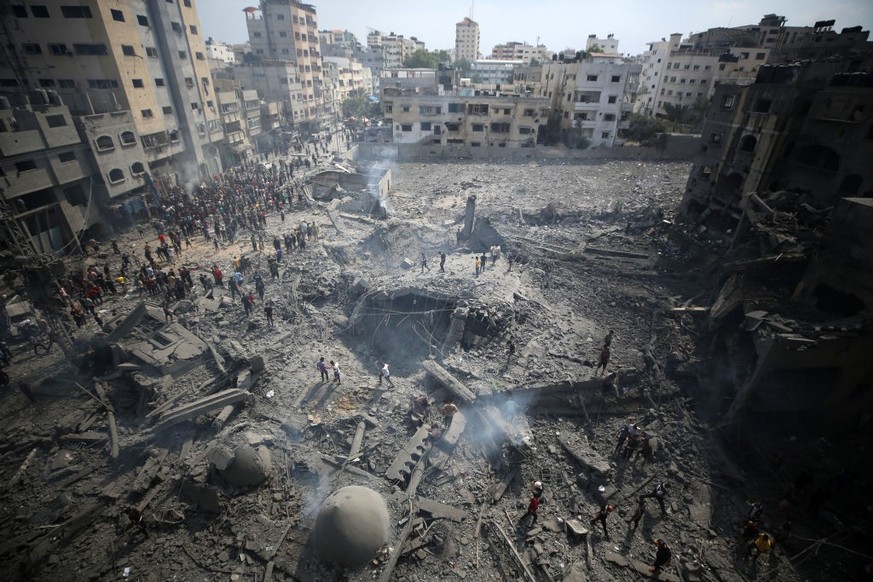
(748, 143)
(477, 109)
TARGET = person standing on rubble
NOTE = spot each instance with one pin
(385, 373)
(337, 375)
(601, 517)
(638, 515)
(234, 288)
(484, 261)
(442, 262)
(268, 311)
(660, 494)
(604, 360)
(322, 368)
(424, 263)
(532, 508)
(449, 411)
(663, 555)
(478, 265)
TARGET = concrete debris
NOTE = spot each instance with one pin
(204, 405)
(351, 526)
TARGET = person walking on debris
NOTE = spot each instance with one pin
(662, 556)
(623, 435)
(268, 311)
(337, 375)
(532, 508)
(478, 265)
(322, 368)
(638, 515)
(424, 263)
(385, 374)
(607, 341)
(442, 262)
(509, 259)
(763, 544)
(660, 494)
(234, 288)
(601, 517)
(449, 410)
(604, 360)
(484, 261)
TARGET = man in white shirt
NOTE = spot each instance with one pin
(385, 373)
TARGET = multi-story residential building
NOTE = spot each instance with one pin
(654, 64)
(395, 48)
(136, 69)
(288, 30)
(347, 75)
(241, 116)
(608, 45)
(276, 82)
(338, 43)
(463, 117)
(493, 72)
(467, 40)
(219, 51)
(520, 51)
(594, 95)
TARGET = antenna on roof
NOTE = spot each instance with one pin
(472, 6)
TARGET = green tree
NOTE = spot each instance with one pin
(464, 66)
(444, 56)
(644, 129)
(358, 104)
(422, 59)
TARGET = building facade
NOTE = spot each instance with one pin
(608, 45)
(594, 96)
(467, 40)
(520, 51)
(219, 51)
(287, 30)
(493, 73)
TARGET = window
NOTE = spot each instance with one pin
(592, 78)
(127, 138)
(760, 56)
(30, 48)
(183, 55)
(256, 34)
(406, 127)
(102, 84)
(142, 20)
(615, 78)
(525, 130)
(714, 138)
(46, 82)
(612, 99)
(66, 84)
(57, 49)
(528, 113)
(159, 82)
(192, 28)
(104, 143)
(137, 83)
(56, 120)
(176, 27)
(605, 135)
(425, 126)
(19, 11)
(706, 171)
(137, 169)
(189, 82)
(721, 67)
(200, 56)
(477, 109)
(609, 117)
(152, 52)
(478, 127)
(66, 157)
(146, 113)
(39, 11)
(748, 143)
(116, 176)
(195, 106)
(728, 102)
(500, 127)
(76, 11)
(117, 15)
(762, 106)
(456, 107)
(25, 166)
(128, 50)
(95, 49)
(691, 81)
(280, 17)
(405, 108)
(187, 3)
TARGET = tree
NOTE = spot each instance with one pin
(464, 66)
(643, 129)
(422, 59)
(359, 104)
(444, 56)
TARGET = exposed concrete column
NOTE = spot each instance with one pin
(456, 328)
(469, 217)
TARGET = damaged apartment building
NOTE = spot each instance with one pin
(783, 188)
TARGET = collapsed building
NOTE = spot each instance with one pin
(783, 187)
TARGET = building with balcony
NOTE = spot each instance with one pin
(287, 30)
(463, 117)
(466, 40)
(219, 51)
(394, 48)
(493, 73)
(593, 95)
(122, 55)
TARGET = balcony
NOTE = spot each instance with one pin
(29, 181)
(20, 142)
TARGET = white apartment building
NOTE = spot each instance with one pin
(395, 48)
(520, 51)
(678, 74)
(608, 45)
(219, 51)
(346, 75)
(595, 96)
(467, 40)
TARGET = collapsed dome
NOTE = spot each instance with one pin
(351, 526)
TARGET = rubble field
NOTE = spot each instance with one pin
(208, 448)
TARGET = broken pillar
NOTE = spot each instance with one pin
(444, 379)
(469, 217)
(456, 328)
